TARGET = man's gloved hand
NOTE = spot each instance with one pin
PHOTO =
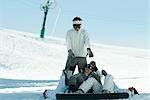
(71, 54)
(104, 72)
(93, 64)
(90, 53)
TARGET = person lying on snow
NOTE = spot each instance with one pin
(72, 84)
(88, 81)
(76, 80)
(109, 85)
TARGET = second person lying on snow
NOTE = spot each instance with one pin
(90, 82)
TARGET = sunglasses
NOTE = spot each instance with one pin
(76, 24)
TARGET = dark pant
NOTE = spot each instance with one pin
(80, 61)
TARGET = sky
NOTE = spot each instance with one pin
(113, 22)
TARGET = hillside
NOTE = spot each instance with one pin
(26, 56)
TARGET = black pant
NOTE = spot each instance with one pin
(80, 61)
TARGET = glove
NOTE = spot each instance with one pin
(134, 90)
(71, 54)
(104, 72)
(90, 52)
(93, 64)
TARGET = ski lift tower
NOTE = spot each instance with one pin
(49, 4)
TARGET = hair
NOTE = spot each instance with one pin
(77, 18)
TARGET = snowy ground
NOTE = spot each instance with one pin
(29, 65)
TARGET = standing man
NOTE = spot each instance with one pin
(78, 46)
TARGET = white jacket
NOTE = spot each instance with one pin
(78, 42)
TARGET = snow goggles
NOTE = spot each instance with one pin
(77, 25)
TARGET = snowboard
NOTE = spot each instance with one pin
(91, 96)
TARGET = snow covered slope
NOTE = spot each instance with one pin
(25, 56)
